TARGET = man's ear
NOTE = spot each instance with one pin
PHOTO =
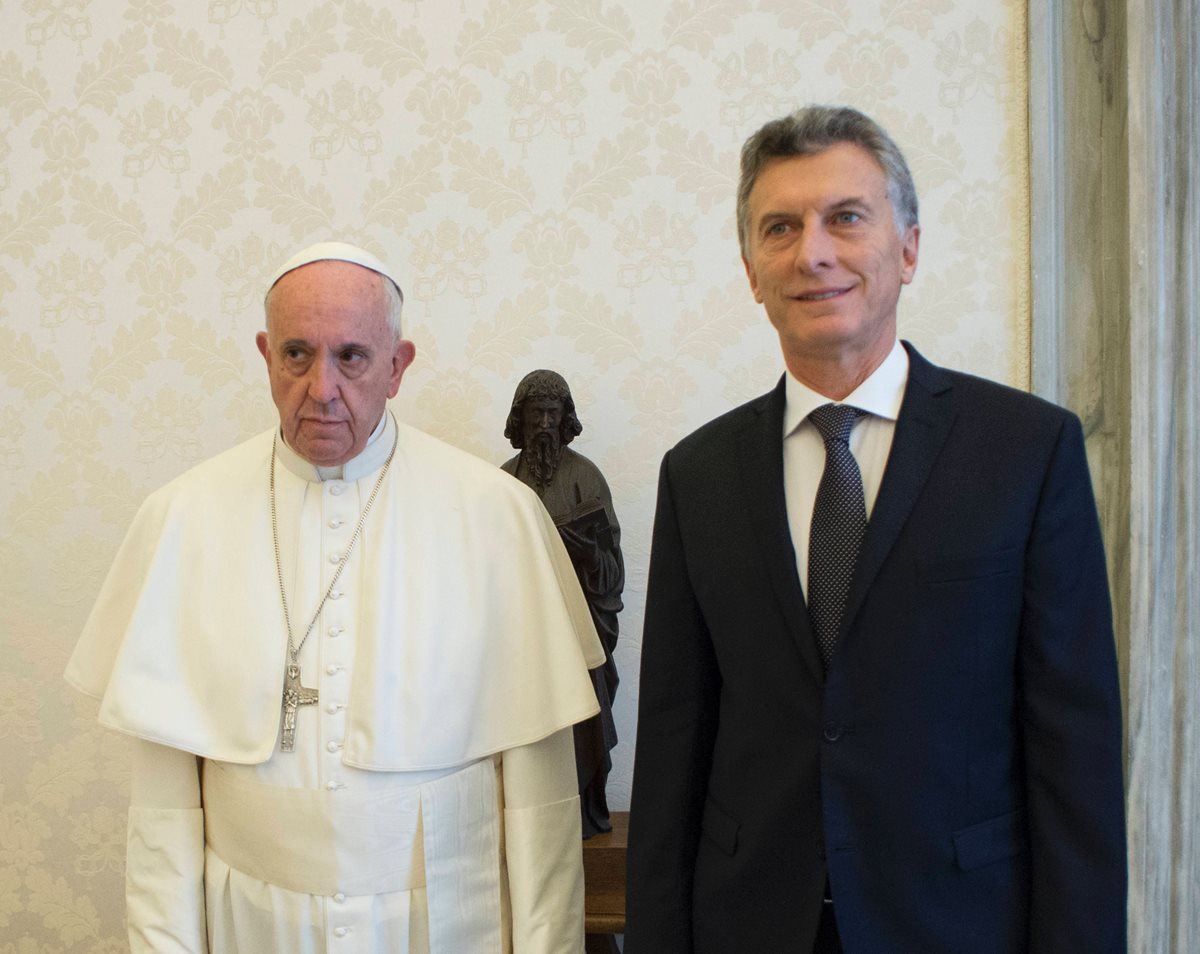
(752, 275)
(912, 243)
(402, 357)
(260, 339)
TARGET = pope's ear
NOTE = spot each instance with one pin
(260, 339)
(402, 357)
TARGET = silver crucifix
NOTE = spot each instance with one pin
(294, 696)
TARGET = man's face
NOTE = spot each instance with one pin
(542, 415)
(825, 259)
(331, 358)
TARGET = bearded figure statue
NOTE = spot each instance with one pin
(541, 423)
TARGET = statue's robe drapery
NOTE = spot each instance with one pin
(577, 487)
(450, 661)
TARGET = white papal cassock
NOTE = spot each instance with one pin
(430, 802)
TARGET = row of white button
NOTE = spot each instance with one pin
(334, 708)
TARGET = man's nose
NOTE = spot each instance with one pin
(323, 383)
(814, 248)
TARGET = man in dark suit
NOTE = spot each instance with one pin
(879, 707)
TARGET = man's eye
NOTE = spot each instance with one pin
(293, 354)
(352, 357)
(777, 228)
(846, 218)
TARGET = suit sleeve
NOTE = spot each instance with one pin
(543, 846)
(1070, 711)
(164, 864)
(677, 718)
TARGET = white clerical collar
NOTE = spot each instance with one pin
(369, 460)
(880, 394)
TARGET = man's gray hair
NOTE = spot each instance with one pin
(395, 305)
(814, 129)
(334, 251)
(392, 297)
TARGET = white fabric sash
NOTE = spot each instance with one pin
(443, 835)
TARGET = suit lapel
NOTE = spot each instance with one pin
(761, 460)
(924, 422)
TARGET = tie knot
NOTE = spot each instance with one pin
(835, 421)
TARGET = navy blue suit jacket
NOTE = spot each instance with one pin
(957, 774)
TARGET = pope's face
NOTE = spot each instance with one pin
(825, 258)
(332, 360)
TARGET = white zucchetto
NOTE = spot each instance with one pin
(338, 252)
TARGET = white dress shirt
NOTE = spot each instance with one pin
(880, 395)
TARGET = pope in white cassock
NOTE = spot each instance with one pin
(351, 657)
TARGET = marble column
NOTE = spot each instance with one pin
(1115, 135)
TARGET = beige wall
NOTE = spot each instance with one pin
(553, 178)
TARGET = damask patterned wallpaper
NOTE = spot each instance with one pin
(555, 180)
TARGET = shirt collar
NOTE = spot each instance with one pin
(880, 394)
(370, 459)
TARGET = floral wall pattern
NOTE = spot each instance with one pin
(555, 180)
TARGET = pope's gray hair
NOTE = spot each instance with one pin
(814, 129)
(392, 296)
(395, 305)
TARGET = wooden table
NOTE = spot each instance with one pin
(604, 886)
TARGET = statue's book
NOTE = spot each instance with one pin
(589, 520)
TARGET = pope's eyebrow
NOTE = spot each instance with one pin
(306, 345)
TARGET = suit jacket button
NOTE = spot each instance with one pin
(832, 732)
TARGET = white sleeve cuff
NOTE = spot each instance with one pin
(544, 853)
(164, 881)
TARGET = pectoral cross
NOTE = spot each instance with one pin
(294, 696)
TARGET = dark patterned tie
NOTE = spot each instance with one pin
(838, 524)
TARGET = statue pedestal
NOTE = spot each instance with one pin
(604, 886)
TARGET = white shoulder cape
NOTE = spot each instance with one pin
(475, 637)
